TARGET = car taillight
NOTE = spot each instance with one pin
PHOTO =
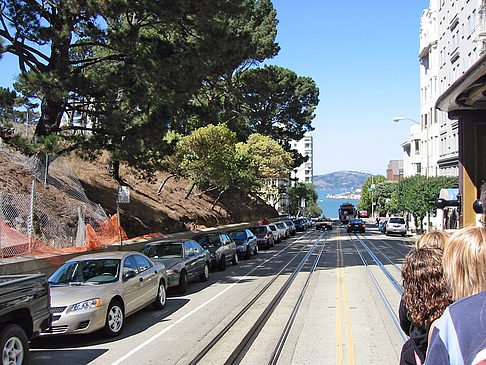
(362, 225)
(406, 226)
(349, 225)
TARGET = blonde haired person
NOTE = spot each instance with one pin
(433, 239)
(425, 294)
(459, 335)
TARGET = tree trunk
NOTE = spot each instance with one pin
(50, 119)
(217, 199)
(113, 168)
(190, 190)
(163, 183)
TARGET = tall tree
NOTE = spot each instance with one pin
(303, 193)
(417, 194)
(270, 160)
(278, 103)
(131, 66)
(367, 195)
(209, 159)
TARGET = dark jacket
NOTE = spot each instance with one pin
(418, 338)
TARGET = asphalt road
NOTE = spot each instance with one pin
(348, 300)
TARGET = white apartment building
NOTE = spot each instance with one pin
(304, 173)
(451, 40)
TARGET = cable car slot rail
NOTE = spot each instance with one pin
(239, 352)
(397, 286)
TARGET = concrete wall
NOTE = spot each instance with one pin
(48, 263)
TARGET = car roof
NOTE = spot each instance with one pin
(104, 255)
(160, 243)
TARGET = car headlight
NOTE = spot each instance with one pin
(87, 304)
(213, 255)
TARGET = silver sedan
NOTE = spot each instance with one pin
(97, 291)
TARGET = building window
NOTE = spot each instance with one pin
(417, 146)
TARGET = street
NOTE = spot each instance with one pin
(320, 297)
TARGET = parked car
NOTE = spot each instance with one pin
(382, 226)
(277, 233)
(264, 235)
(291, 226)
(356, 225)
(284, 229)
(97, 291)
(300, 224)
(396, 225)
(324, 223)
(24, 313)
(246, 242)
(221, 247)
(184, 261)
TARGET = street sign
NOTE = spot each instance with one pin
(123, 195)
(370, 189)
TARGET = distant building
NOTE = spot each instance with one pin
(304, 172)
(394, 172)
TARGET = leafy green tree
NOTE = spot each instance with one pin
(131, 67)
(382, 196)
(302, 192)
(270, 160)
(365, 201)
(278, 103)
(417, 194)
(209, 159)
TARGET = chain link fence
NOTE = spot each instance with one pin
(28, 224)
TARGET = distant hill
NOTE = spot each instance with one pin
(341, 180)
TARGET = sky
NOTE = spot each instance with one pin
(363, 56)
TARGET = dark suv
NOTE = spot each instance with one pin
(221, 248)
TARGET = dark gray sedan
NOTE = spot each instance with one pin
(246, 242)
(184, 261)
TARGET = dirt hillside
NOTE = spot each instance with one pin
(147, 212)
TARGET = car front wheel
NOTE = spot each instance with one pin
(161, 299)
(205, 274)
(222, 263)
(182, 287)
(114, 319)
(14, 345)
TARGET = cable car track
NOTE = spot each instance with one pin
(247, 340)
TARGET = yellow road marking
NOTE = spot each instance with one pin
(341, 284)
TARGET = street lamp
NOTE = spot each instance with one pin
(397, 119)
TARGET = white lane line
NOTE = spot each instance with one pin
(154, 337)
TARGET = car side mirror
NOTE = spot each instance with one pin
(128, 275)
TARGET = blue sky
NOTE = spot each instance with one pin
(363, 56)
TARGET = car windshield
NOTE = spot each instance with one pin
(86, 272)
(397, 220)
(208, 240)
(281, 225)
(289, 223)
(238, 235)
(169, 250)
(258, 230)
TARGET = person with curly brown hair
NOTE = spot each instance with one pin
(459, 335)
(425, 296)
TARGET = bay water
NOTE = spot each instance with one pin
(330, 206)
